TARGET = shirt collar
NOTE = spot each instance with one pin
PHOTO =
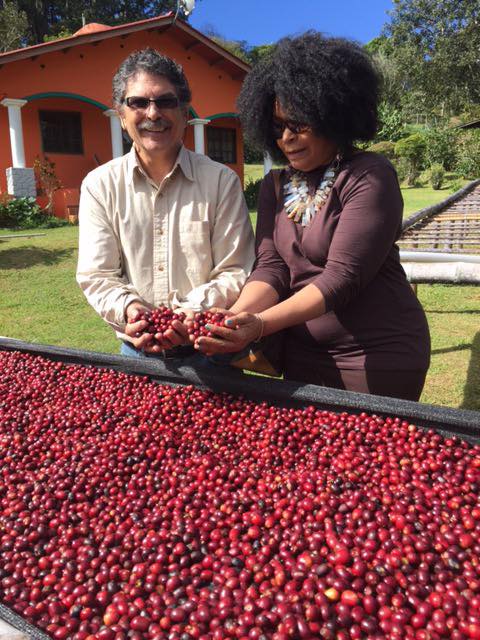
(183, 161)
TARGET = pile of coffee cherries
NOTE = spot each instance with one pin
(200, 321)
(134, 511)
(160, 320)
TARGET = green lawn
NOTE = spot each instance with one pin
(416, 198)
(41, 301)
(453, 314)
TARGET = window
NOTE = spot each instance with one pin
(222, 144)
(61, 132)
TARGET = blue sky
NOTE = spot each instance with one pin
(265, 21)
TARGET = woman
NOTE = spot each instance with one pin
(327, 268)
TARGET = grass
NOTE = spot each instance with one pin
(416, 198)
(453, 314)
(42, 303)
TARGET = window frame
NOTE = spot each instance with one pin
(73, 115)
(231, 131)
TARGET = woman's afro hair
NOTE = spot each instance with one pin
(328, 83)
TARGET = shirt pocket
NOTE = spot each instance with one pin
(195, 244)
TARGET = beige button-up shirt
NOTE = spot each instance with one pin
(186, 243)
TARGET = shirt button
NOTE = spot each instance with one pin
(160, 268)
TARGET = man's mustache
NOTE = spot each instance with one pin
(150, 125)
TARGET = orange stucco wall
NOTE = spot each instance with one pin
(96, 138)
(87, 71)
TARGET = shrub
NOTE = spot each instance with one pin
(385, 148)
(251, 153)
(441, 147)
(468, 163)
(456, 185)
(437, 174)
(47, 179)
(25, 213)
(251, 191)
(402, 167)
(16, 212)
(412, 149)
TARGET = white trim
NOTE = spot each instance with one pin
(433, 257)
(115, 132)
(16, 130)
(199, 133)
(456, 272)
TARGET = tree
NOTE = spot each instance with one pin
(391, 124)
(48, 18)
(239, 48)
(393, 85)
(13, 26)
(441, 147)
(255, 54)
(434, 46)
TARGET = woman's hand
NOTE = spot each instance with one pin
(190, 319)
(239, 331)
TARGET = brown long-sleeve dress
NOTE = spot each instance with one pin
(374, 336)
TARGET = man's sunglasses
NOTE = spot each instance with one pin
(279, 126)
(168, 101)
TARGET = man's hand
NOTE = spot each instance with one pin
(135, 326)
(173, 337)
(239, 331)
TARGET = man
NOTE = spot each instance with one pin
(160, 225)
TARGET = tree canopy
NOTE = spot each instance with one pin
(50, 18)
(13, 26)
(434, 47)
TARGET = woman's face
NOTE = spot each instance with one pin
(304, 150)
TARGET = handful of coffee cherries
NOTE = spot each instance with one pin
(161, 319)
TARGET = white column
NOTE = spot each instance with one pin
(116, 132)
(199, 133)
(16, 131)
(267, 163)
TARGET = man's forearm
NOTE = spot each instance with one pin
(109, 296)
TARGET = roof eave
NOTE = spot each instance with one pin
(213, 45)
(74, 41)
(121, 30)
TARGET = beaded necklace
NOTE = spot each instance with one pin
(299, 205)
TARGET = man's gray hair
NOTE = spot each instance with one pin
(153, 62)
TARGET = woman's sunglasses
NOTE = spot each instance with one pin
(168, 101)
(279, 126)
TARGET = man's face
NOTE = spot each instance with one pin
(157, 133)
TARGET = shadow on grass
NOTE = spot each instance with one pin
(471, 391)
(26, 257)
(460, 347)
(441, 311)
